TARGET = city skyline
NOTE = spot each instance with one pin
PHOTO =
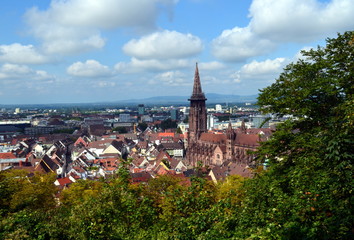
(78, 51)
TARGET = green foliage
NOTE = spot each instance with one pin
(179, 131)
(80, 191)
(224, 118)
(307, 193)
(120, 129)
(168, 123)
(142, 126)
(19, 190)
(66, 130)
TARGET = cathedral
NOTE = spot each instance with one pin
(216, 149)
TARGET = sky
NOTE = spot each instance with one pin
(81, 51)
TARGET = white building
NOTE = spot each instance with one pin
(211, 120)
(218, 108)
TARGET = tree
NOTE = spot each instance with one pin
(120, 130)
(179, 131)
(168, 123)
(307, 193)
(80, 191)
(142, 126)
(26, 200)
(66, 130)
(21, 190)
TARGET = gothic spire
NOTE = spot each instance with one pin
(243, 126)
(229, 127)
(197, 93)
(230, 132)
(197, 88)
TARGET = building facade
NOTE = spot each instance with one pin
(212, 149)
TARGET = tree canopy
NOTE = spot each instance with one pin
(310, 182)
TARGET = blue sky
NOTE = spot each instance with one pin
(75, 51)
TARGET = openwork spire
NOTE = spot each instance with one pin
(243, 127)
(229, 127)
(197, 93)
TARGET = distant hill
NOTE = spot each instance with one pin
(159, 100)
(212, 98)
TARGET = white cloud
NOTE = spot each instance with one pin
(104, 84)
(236, 77)
(74, 26)
(107, 14)
(153, 65)
(21, 72)
(210, 66)
(256, 68)
(164, 45)
(238, 44)
(300, 20)
(253, 75)
(258, 74)
(90, 68)
(21, 54)
(275, 22)
(172, 78)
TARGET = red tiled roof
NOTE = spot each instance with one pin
(82, 141)
(137, 160)
(143, 144)
(110, 168)
(100, 144)
(166, 134)
(8, 155)
(247, 139)
(79, 169)
(162, 154)
(140, 177)
(240, 169)
(64, 181)
(214, 138)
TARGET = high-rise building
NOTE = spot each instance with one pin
(124, 117)
(218, 108)
(211, 121)
(174, 114)
(141, 109)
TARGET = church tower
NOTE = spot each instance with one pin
(197, 112)
(230, 136)
(197, 120)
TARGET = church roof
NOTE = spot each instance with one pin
(247, 139)
(213, 138)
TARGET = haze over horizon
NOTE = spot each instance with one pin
(76, 51)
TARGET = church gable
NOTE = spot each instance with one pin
(218, 155)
